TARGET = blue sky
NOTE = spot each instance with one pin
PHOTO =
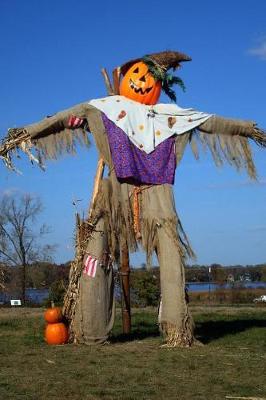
(51, 56)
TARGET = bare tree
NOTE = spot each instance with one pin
(19, 234)
(2, 277)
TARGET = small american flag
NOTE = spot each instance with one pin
(75, 122)
(90, 266)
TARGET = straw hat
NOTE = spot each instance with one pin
(164, 60)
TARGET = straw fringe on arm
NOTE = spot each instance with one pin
(46, 139)
(227, 140)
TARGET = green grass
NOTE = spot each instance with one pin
(232, 362)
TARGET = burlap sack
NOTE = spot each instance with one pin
(95, 308)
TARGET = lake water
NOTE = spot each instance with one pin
(212, 286)
(38, 296)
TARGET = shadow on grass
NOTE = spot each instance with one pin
(209, 331)
(144, 330)
(206, 331)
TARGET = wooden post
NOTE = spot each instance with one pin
(116, 79)
(124, 254)
(125, 287)
(107, 82)
(97, 180)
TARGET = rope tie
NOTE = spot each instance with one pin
(136, 209)
(136, 212)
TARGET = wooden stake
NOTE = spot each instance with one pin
(125, 287)
(124, 255)
(107, 81)
(116, 79)
(97, 180)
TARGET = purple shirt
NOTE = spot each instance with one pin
(133, 164)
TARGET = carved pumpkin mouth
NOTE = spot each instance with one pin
(139, 85)
(138, 89)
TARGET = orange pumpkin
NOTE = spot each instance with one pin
(56, 333)
(138, 84)
(53, 314)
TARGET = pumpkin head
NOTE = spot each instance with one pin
(53, 315)
(56, 333)
(139, 84)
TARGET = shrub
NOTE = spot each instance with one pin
(57, 292)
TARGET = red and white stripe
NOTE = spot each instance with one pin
(75, 122)
(90, 266)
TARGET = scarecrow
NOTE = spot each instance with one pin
(142, 143)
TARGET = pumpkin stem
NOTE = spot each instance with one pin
(52, 304)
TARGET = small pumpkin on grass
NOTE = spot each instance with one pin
(53, 315)
(56, 331)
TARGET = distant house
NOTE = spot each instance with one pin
(247, 277)
(230, 278)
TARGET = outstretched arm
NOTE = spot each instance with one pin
(233, 127)
(227, 140)
(50, 136)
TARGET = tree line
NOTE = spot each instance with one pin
(145, 284)
(40, 275)
(25, 262)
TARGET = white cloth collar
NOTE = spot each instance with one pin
(148, 126)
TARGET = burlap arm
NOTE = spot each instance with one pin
(226, 126)
(58, 122)
(227, 140)
(52, 135)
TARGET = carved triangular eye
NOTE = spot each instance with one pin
(136, 70)
(142, 79)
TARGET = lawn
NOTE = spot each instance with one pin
(231, 363)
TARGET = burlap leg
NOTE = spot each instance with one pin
(175, 320)
(94, 316)
(161, 230)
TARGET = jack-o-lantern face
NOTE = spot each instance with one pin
(138, 84)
